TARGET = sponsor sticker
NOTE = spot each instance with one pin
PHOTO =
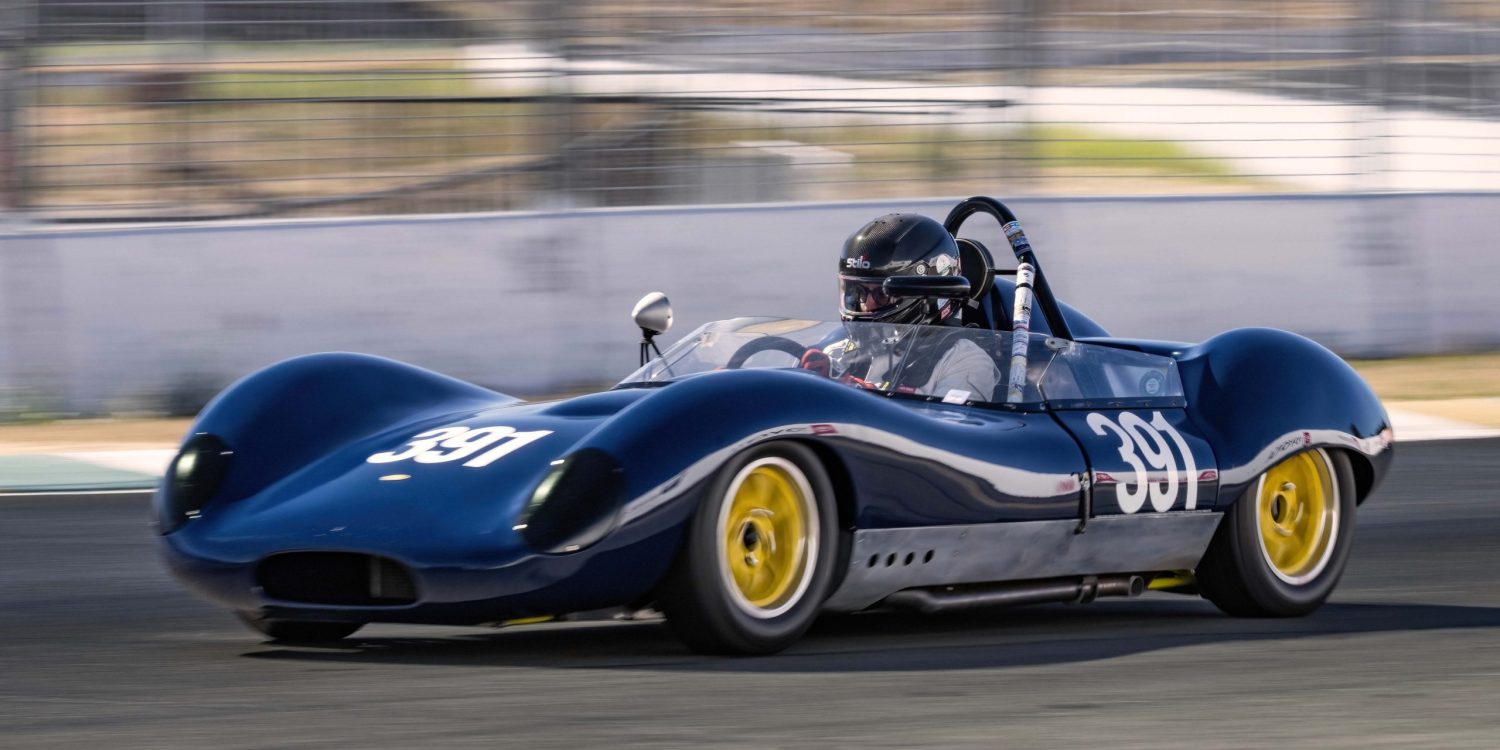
(957, 396)
(1018, 242)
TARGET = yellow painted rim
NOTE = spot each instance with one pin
(1297, 511)
(768, 537)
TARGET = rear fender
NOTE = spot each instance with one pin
(1260, 395)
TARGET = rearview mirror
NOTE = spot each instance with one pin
(653, 314)
(927, 287)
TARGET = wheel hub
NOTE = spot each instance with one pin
(768, 542)
(1298, 512)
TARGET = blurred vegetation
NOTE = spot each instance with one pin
(1440, 377)
(211, 141)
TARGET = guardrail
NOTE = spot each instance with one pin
(120, 318)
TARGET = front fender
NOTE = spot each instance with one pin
(287, 415)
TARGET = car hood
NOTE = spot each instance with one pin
(412, 501)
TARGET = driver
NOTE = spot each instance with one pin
(936, 365)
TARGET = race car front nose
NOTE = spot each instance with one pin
(191, 480)
(344, 579)
(575, 504)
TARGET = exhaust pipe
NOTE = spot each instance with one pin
(1075, 591)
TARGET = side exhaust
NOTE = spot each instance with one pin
(1073, 590)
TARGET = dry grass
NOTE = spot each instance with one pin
(627, 17)
(91, 434)
(1444, 377)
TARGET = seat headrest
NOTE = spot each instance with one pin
(977, 265)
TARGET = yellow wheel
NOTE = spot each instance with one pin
(769, 533)
(1282, 546)
(1297, 506)
(759, 555)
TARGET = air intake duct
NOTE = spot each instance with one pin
(336, 578)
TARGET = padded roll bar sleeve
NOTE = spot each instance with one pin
(1018, 245)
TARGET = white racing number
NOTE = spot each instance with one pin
(456, 443)
(1144, 444)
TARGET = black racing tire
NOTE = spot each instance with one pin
(299, 631)
(705, 607)
(1236, 573)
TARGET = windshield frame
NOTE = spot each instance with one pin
(1082, 376)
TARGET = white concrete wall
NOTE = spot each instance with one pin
(113, 318)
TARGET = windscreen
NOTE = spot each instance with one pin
(939, 363)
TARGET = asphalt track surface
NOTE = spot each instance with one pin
(99, 647)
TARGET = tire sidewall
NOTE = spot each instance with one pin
(1261, 582)
(747, 632)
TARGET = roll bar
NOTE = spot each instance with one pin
(1018, 245)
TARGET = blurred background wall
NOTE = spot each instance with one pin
(192, 188)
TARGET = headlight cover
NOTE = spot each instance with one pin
(575, 504)
(192, 479)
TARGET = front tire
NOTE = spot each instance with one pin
(1281, 549)
(758, 559)
(298, 631)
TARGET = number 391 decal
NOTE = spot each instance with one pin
(461, 443)
(1141, 439)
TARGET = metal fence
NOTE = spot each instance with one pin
(206, 109)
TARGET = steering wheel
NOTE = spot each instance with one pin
(764, 344)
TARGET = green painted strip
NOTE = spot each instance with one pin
(42, 473)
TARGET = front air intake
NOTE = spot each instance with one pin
(336, 578)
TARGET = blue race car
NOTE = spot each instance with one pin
(764, 470)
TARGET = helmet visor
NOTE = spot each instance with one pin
(864, 298)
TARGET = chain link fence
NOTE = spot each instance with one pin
(214, 109)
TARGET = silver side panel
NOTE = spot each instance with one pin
(986, 553)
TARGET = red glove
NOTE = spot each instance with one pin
(817, 361)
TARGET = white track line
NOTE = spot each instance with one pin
(13, 495)
(1413, 427)
(151, 462)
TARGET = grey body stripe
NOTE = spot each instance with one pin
(1008, 479)
(884, 561)
(1297, 440)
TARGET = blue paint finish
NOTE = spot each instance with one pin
(1112, 473)
(301, 479)
(302, 433)
(897, 488)
(1248, 389)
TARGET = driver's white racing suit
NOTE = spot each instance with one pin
(964, 372)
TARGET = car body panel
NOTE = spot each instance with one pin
(1120, 444)
(324, 460)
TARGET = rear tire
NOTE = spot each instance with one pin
(1282, 547)
(298, 631)
(759, 555)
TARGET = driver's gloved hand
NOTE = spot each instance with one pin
(817, 361)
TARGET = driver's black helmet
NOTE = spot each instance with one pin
(894, 245)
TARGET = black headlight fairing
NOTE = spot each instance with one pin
(575, 504)
(191, 480)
